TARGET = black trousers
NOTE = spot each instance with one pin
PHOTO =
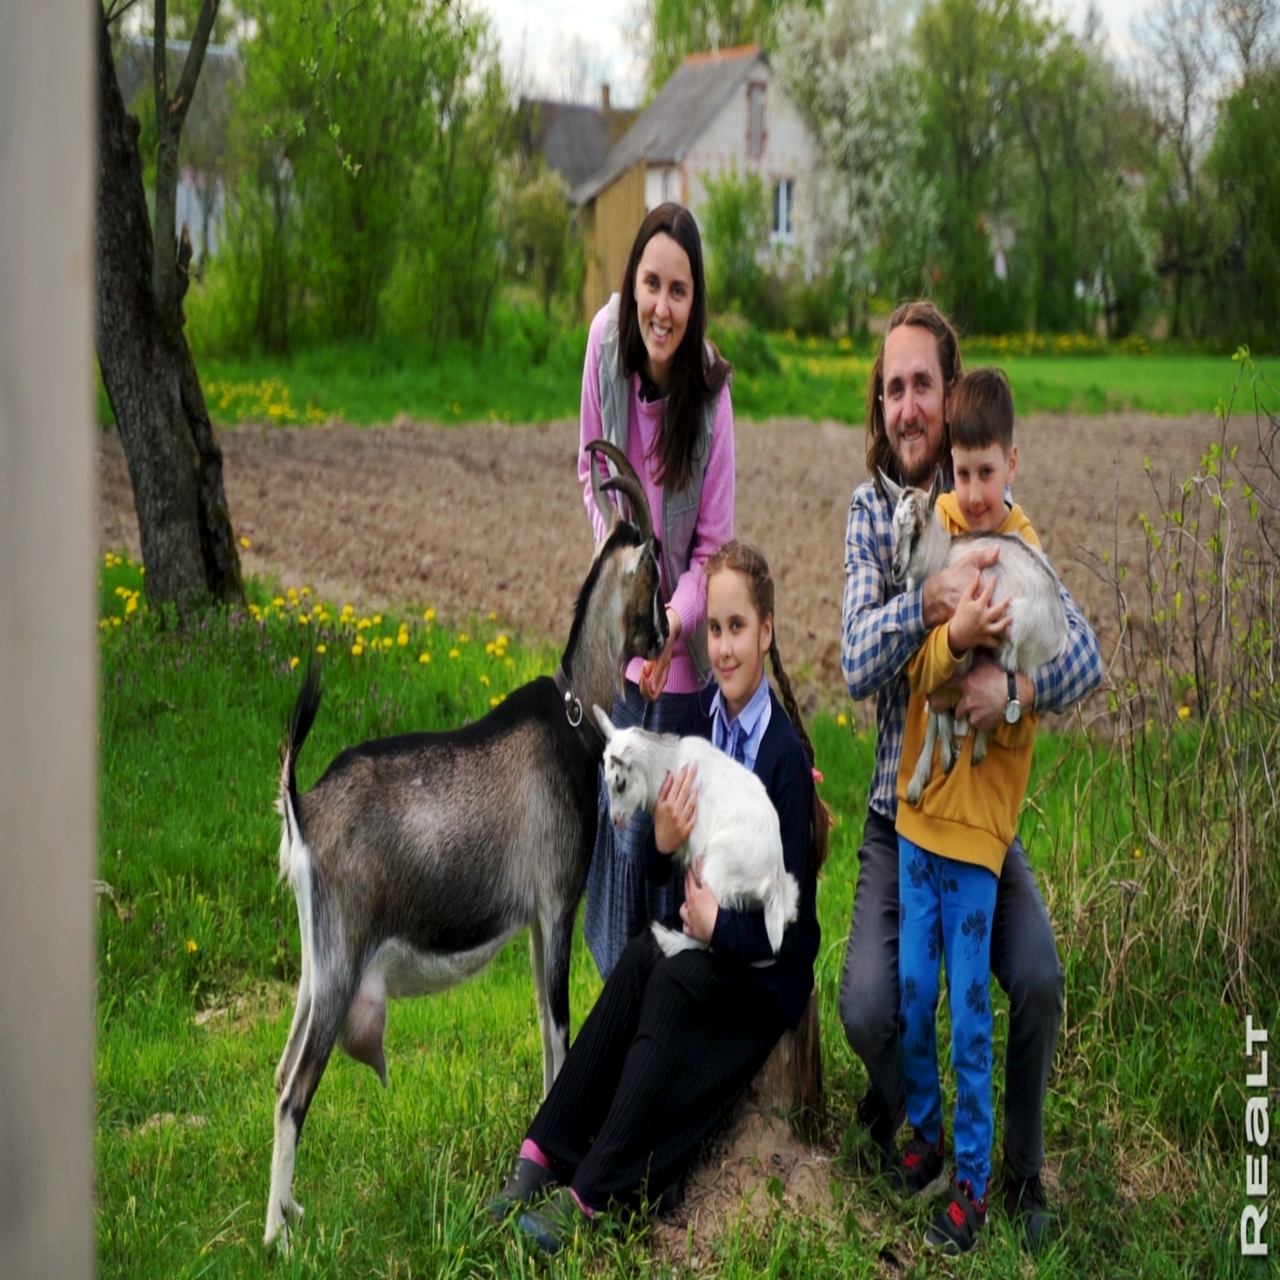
(670, 1045)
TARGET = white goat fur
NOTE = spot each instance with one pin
(735, 846)
(1037, 621)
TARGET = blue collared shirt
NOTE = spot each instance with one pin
(883, 626)
(750, 724)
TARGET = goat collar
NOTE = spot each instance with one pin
(584, 724)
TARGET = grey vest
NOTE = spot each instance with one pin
(679, 510)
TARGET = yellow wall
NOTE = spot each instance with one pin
(609, 226)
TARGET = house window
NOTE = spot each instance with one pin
(755, 136)
(784, 200)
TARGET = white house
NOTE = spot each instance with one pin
(719, 111)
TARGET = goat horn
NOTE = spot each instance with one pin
(625, 482)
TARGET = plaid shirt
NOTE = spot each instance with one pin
(883, 627)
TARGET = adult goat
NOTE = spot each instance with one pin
(1037, 621)
(415, 859)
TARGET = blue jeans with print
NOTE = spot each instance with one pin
(945, 912)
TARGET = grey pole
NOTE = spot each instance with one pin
(47, 662)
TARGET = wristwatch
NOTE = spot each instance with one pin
(1013, 709)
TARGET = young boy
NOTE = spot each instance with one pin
(951, 846)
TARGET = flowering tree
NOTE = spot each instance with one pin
(846, 70)
(140, 279)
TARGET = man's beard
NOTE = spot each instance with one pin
(921, 475)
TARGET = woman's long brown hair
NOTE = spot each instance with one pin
(748, 560)
(696, 375)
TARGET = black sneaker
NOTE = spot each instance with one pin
(921, 1172)
(527, 1180)
(873, 1145)
(556, 1223)
(1027, 1205)
(955, 1230)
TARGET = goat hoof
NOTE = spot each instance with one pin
(914, 792)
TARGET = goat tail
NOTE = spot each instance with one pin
(300, 722)
(780, 909)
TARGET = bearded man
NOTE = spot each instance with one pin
(882, 628)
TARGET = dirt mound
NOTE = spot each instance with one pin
(475, 518)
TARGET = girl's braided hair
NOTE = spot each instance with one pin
(748, 560)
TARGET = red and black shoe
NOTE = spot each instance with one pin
(921, 1172)
(955, 1230)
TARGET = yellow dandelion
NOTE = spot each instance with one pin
(493, 615)
(491, 649)
(192, 946)
(842, 720)
(424, 658)
(1184, 713)
(484, 680)
(347, 611)
(303, 619)
(363, 625)
(377, 619)
(104, 622)
(464, 638)
(357, 649)
(278, 601)
(501, 640)
(324, 616)
(511, 662)
(1137, 852)
(493, 702)
(387, 642)
(429, 615)
(142, 569)
(453, 653)
(293, 662)
(115, 622)
(306, 591)
(292, 593)
(131, 604)
(402, 638)
(321, 649)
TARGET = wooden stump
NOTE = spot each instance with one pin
(790, 1082)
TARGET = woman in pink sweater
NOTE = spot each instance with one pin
(655, 387)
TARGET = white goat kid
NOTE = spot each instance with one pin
(735, 847)
(1037, 621)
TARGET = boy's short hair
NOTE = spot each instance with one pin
(981, 411)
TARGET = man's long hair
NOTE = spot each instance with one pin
(880, 454)
(696, 374)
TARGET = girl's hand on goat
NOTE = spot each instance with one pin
(977, 623)
(944, 590)
(676, 809)
(700, 908)
(653, 673)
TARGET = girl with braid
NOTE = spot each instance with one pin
(673, 1042)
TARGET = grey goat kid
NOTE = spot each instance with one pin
(735, 847)
(1037, 631)
(415, 859)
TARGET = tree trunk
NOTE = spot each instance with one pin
(790, 1082)
(174, 461)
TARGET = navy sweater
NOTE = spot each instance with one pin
(740, 936)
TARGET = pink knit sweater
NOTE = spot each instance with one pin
(715, 514)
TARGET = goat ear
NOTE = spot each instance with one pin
(894, 492)
(606, 725)
(936, 489)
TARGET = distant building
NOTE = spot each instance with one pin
(573, 138)
(719, 111)
(201, 194)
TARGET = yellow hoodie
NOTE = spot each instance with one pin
(970, 814)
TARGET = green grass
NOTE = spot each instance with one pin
(375, 382)
(1142, 1116)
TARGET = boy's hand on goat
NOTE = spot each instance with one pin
(676, 809)
(700, 908)
(984, 694)
(944, 590)
(653, 672)
(977, 623)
